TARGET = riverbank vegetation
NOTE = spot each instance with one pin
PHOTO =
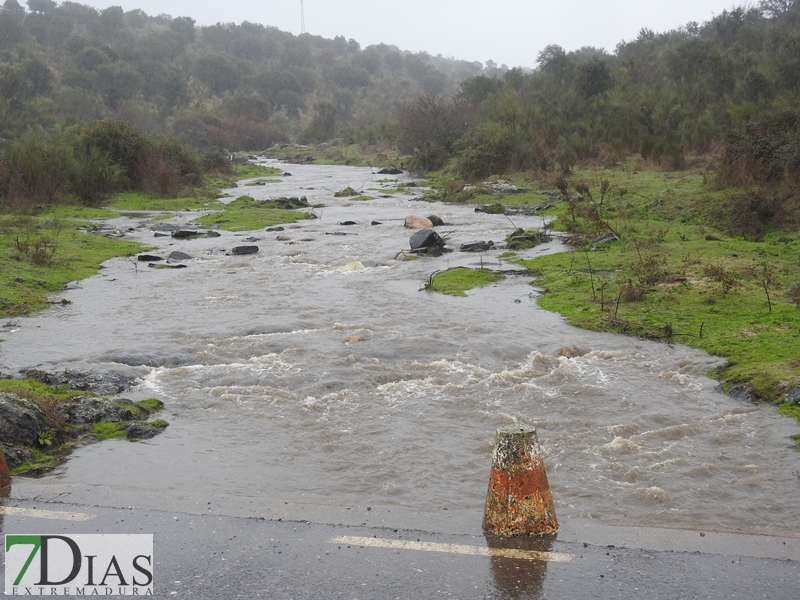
(48, 421)
(39, 254)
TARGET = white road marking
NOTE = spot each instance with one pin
(45, 514)
(452, 548)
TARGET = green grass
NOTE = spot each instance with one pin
(246, 214)
(106, 430)
(152, 404)
(249, 170)
(35, 262)
(362, 198)
(140, 201)
(456, 281)
(39, 393)
(80, 213)
(41, 460)
(668, 282)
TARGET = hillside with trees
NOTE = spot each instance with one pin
(664, 96)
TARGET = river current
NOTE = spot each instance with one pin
(268, 396)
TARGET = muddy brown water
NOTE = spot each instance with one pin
(267, 397)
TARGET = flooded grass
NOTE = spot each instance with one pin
(38, 255)
(247, 214)
(456, 281)
(729, 297)
(140, 201)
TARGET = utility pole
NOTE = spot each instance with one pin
(302, 18)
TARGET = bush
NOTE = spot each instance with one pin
(765, 150)
(34, 170)
(485, 151)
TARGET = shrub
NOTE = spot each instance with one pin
(765, 150)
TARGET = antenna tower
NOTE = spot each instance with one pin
(302, 18)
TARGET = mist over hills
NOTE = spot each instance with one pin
(665, 95)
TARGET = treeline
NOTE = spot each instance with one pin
(237, 87)
(730, 84)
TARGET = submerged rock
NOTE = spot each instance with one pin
(481, 246)
(346, 192)
(188, 234)
(142, 430)
(240, 250)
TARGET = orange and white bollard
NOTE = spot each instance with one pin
(518, 501)
(5, 476)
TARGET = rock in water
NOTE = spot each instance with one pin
(415, 222)
(477, 246)
(425, 239)
(239, 250)
(436, 221)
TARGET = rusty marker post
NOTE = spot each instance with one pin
(518, 501)
(5, 476)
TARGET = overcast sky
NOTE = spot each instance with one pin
(510, 32)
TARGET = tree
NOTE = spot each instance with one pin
(323, 124)
(593, 78)
(429, 128)
(183, 27)
(775, 8)
(477, 89)
(270, 84)
(41, 6)
(554, 61)
(118, 81)
(219, 72)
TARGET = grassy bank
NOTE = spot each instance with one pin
(38, 255)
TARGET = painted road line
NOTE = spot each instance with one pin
(452, 548)
(45, 514)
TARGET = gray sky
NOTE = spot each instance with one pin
(506, 31)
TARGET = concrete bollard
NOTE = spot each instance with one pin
(518, 501)
(5, 476)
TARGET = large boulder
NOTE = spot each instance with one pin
(21, 420)
(85, 410)
(415, 222)
(426, 240)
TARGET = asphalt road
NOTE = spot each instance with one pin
(359, 553)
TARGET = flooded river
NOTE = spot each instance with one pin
(268, 399)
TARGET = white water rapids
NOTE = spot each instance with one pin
(267, 399)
